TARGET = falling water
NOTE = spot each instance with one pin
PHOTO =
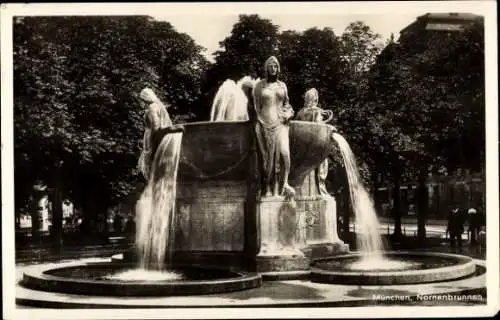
(368, 232)
(156, 207)
(369, 241)
(230, 103)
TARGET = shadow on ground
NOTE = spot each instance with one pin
(277, 291)
(370, 293)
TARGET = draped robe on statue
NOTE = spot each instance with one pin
(156, 118)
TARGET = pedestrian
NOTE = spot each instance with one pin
(481, 238)
(475, 224)
(130, 225)
(118, 223)
(455, 227)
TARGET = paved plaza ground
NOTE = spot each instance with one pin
(291, 293)
(435, 230)
(298, 293)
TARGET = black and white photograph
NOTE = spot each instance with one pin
(250, 160)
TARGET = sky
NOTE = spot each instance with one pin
(209, 30)
(210, 23)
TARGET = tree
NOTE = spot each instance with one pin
(77, 118)
(243, 53)
(360, 47)
(311, 60)
(431, 87)
(251, 42)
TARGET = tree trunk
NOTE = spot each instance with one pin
(396, 209)
(57, 213)
(89, 211)
(376, 196)
(346, 208)
(35, 219)
(57, 219)
(105, 228)
(422, 204)
(18, 221)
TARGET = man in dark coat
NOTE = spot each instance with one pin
(455, 226)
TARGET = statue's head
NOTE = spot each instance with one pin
(272, 67)
(311, 98)
(148, 95)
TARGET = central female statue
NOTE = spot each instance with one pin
(273, 113)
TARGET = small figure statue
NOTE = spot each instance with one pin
(273, 112)
(156, 118)
(311, 112)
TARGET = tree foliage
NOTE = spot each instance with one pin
(427, 92)
(251, 42)
(76, 108)
(243, 52)
(425, 106)
(417, 105)
(311, 60)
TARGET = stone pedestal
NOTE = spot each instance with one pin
(322, 239)
(279, 237)
(320, 210)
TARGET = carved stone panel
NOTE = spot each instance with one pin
(210, 216)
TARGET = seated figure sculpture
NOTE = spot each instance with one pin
(273, 112)
(311, 112)
(156, 118)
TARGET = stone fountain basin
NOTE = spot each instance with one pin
(221, 149)
(430, 267)
(88, 279)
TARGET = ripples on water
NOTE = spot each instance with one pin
(144, 275)
(380, 263)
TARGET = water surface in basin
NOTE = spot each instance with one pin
(386, 263)
(130, 274)
(144, 275)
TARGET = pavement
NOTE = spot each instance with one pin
(435, 231)
(277, 294)
(291, 293)
(33, 255)
(433, 227)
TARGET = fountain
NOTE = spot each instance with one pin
(205, 227)
(217, 220)
(372, 264)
